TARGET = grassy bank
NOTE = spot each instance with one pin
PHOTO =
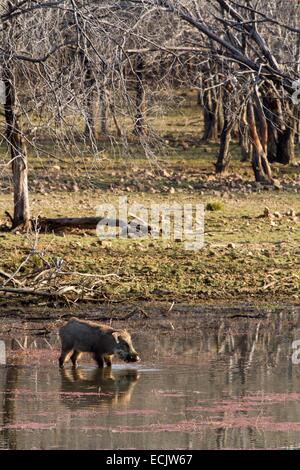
(247, 256)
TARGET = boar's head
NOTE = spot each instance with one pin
(123, 346)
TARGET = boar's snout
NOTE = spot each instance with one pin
(128, 356)
(133, 358)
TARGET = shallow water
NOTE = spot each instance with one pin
(228, 384)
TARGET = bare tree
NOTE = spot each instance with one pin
(74, 64)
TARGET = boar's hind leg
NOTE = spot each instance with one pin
(64, 357)
(74, 358)
(99, 360)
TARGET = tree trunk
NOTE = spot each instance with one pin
(297, 136)
(90, 101)
(228, 124)
(286, 147)
(286, 141)
(297, 113)
(260, 164)
(21, 215)
(282, 129)
(244, 140)
(245, 144)
(104, 106)
(210, 117)
(221, 100)
(139, 126)
(118, 128)
(224, 155)
(272, 142)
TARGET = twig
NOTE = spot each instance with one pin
(28, 291)
(9, 277)
(75, 273)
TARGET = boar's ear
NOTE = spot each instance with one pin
(116, 334)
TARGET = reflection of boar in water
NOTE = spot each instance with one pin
(97, 388)
(79, 336)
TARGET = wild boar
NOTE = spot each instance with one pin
(79, 336)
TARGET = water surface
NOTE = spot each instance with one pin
(224, 384)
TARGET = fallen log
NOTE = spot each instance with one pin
(60, 294)
(53, 295)
(50, 225)
(29, 291)
(137, 226)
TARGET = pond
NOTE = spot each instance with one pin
(225, 383)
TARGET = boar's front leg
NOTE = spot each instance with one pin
(108, 360)
(74, 358)
(99, 360)
(64, 357)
